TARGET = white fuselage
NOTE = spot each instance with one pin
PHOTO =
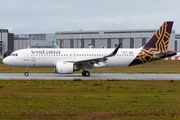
(49, 57)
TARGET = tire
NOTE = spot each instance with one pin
(87, 73)
(84, 73)
(26, 74)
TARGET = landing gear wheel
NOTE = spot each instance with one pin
(26, 73)
(86, 73)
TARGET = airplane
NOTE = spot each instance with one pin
(55, 46)
(91, 46)
(66, 61)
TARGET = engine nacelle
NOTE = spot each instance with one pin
(63, 67)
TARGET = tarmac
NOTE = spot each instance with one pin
(93, 76)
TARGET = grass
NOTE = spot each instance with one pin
(162, 66)
(79, 99)
(94, 99)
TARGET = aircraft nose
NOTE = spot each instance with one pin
(6, 61)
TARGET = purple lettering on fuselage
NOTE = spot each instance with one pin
(45, 52)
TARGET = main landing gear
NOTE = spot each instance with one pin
(86, 73)
(26, 73)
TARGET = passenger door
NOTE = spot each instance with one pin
(26, 55)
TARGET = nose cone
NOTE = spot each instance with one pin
(6, 61)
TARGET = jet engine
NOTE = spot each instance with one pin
(63, 67)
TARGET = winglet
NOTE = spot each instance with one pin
(115, 51)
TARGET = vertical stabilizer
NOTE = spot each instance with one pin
(160, 40)
(157, 44)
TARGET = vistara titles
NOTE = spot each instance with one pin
(46, 52)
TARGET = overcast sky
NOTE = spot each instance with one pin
(49, 16)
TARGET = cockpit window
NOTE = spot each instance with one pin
(14, 54)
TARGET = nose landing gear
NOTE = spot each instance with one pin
(26, 73)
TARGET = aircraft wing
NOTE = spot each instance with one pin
(95, 61)
(89, 63)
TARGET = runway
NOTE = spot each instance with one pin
(94, 76)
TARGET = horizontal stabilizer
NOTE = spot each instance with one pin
(164, 54)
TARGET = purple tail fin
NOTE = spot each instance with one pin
(157, 44)
(160, 39)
